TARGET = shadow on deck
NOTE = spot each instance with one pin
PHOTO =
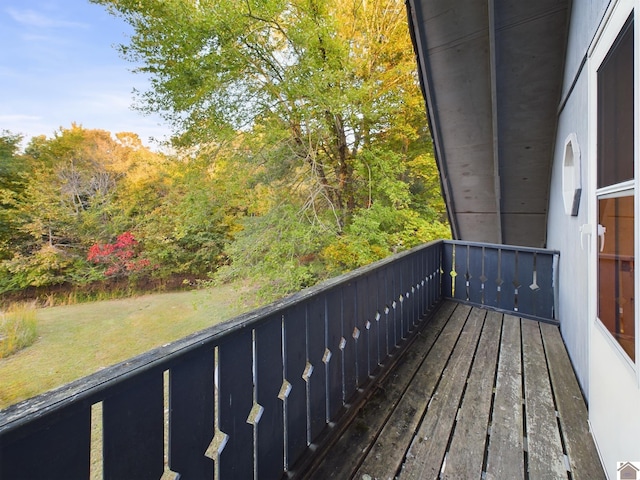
(479, 394)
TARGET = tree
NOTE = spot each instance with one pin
(65, 204)
(321, 98)
(313, 84)
(12, 169)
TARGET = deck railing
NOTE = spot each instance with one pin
(251, 398)
(517, 280)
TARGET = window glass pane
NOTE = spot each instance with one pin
(615, 111)
(616, 266)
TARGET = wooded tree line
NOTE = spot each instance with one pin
(302, 151)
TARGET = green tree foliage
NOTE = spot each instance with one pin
(317, 83)
(63, 207)
(301, 150)
(322, 98)
(92, 206)
(12, 182)
(278, 248)
(188, 225)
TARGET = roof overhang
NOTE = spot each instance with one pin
(491, 73)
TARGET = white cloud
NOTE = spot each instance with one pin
(19, 118)
(32, 18)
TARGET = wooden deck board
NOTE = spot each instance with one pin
(545, 452)
(461, 402)
(387, 454)
(429, 446)
(466, 453)
(505, 455)
(360, 435)
(572, 411)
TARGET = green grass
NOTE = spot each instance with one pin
(18, 329)
(77, 340)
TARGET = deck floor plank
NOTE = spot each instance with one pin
(478, 394)
(505, 456)
(386, 456)
(355, 442)
(466, 453)
(429, 446)
(572, 411)
(545, 452)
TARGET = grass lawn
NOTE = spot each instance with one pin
(76, 340)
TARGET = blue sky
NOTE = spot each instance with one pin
(59, 64)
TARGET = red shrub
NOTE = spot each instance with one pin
(121, 257)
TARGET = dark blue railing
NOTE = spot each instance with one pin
(517, 280)
(256, 396)
(246, 399)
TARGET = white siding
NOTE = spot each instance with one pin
(585, 19)
(564, 231)
(564, 235)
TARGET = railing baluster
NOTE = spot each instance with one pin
(295, 365)
(349, 333)
(434, 271)
(509, 279)
(388, 311)
(382, 320)
(543, 297)
(55, 447)
(191, 415)
(403, 274)
(526, 268)
(401, 319)
(461, 268)
(416, 293)
(235, 394)
(491, 294)
(270, 428)
(364, 343)
(448, 265)
(133, 429)
(335, 358)
(476, 274)
(374, 319)
(316, 377)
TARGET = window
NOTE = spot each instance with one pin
(616, 191)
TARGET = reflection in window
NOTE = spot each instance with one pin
(616, 266)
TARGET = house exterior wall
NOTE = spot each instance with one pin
(563, 234)
(563, 230)
(609, 381)
(585, 19)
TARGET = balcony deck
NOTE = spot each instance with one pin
(395, 369)
(479, 394)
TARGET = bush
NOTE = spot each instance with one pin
(377, 232)
(18, 329)
(279, 250)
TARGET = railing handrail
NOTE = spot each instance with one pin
(90, 387)
(499, 246)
